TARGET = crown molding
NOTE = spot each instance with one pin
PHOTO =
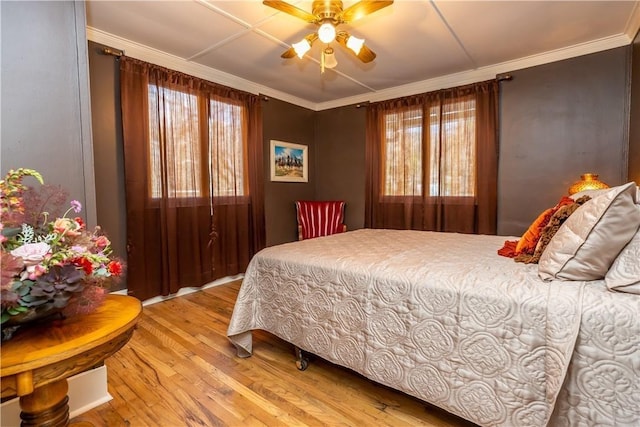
(154, 56)
(146, 53)
(482, 73)
(633, 24)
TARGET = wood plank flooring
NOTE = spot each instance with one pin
(179, 369)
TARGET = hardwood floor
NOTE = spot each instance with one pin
(179, 369)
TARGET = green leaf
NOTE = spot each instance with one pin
(31, 172)
(16, 310)
(4, 317)
(11, 232)
(25, 288)
(34, 303)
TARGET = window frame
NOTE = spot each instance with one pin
(205, 164)
(426, 158)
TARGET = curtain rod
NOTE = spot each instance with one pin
(499, 78)
(113, 52)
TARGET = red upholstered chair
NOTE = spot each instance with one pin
(319, 218)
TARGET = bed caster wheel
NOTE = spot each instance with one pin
(302, 364)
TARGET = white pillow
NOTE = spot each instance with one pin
(624, 274)
(589, 240)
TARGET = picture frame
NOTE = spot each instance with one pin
(289, 162)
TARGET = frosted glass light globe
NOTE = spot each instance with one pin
(301, 47)
(326, 33)
(355, 44)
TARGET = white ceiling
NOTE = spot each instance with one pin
(421, 45)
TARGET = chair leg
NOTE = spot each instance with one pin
(301, 362)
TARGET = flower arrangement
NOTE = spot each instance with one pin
(48, 265)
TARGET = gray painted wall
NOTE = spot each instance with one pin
(340, 160)
(336, 143)
(106, 118)
(289, 123)
(45, 109)
(559, 121)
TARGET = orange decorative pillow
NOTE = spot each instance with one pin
(529, 240)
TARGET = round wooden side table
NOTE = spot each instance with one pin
(37, 361)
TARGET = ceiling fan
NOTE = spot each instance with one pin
(327, 15)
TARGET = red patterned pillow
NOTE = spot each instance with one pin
(509, 249)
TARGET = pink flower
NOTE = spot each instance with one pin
(78, 249)
(102, 242)
(76, 206)
(36, 271)
(66, 226)
(31, 253)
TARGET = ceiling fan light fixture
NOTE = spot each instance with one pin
(301, 47)
(355, 44)
(327, 15)
(330, 60)
(327, 32)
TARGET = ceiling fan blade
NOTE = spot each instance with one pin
(289, 53)
(361, 9)
(291, 10)
(366, 55)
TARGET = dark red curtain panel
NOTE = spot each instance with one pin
(193, 178)
(432, 161)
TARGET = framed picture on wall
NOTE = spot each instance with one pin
(289, 162)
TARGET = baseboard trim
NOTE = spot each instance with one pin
(187, 290)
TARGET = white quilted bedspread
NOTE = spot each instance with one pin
(442, 317)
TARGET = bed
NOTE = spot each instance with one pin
(441, 317)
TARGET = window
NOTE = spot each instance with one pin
(403, 153)
(177, 112)
(450, 152)
(228, 153)
(432, 161)
(177, 145)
